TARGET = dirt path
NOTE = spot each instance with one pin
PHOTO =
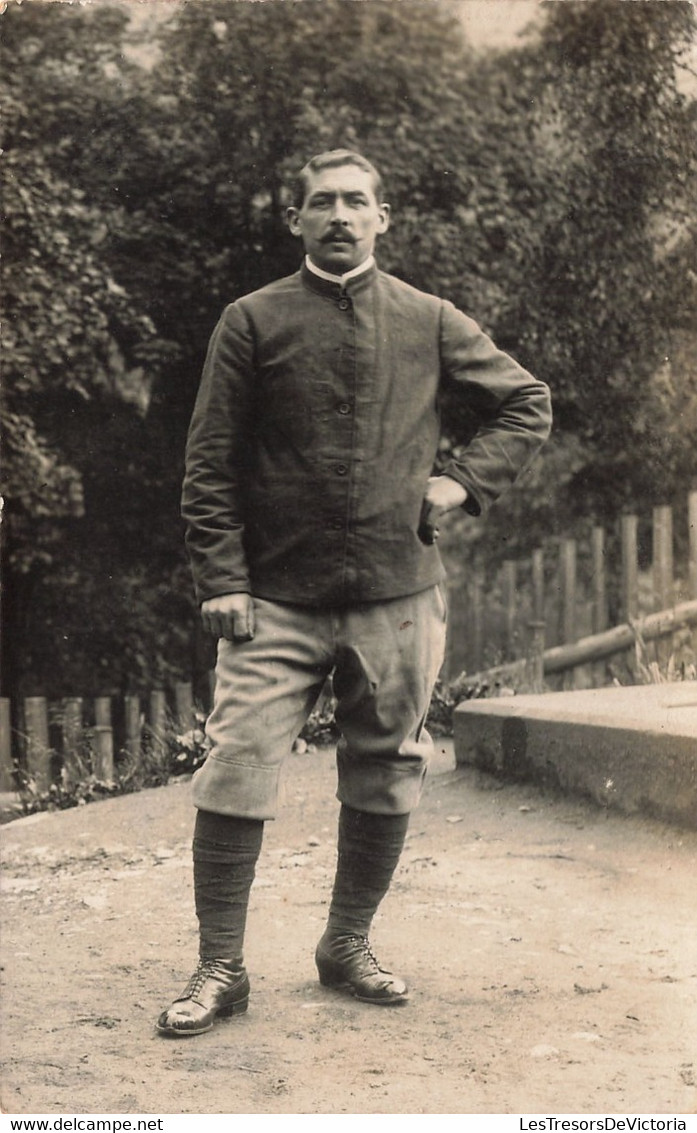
(550, 948)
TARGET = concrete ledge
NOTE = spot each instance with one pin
(633, 749)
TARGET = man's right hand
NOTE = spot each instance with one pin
(230, 616)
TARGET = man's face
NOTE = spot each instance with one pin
(340, 218)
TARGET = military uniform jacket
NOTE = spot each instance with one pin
(316, 428)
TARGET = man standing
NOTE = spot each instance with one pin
(312, 519)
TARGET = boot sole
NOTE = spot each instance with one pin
(330, 977)
(238, 1008)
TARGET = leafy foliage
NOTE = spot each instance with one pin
(80, 355)
(70, 328)
(611, 293)
(549, 191)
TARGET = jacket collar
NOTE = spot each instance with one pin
(333, 288)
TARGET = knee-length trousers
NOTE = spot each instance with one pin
(384, 659)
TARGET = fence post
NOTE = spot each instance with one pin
(600, 609)
(510, 570)
(39, 754)
(538, 585)
(184, 704)
(7, 780)
(102, 711)
(568, 590)
(132, 726)
(692, 540)
(103, 738)
(72, 739)
(662, 571)
(630, 568)
(600, 612)
(663, 558)
(157, 719)
(477, 624)
(567, 565)
(458, 639)
(535, 657)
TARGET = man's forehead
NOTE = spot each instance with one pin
(340, 179)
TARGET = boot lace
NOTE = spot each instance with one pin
(205, 970)
(363, 945)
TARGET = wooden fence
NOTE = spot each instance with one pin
(546, 622)
(595, 608)
(77, 735)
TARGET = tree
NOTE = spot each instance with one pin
(548, 191)
(75, 346)
(600, 298)
(612, 284)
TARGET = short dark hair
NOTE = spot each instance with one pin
(333, 159)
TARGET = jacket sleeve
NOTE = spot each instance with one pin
(513, 409)
(217, 455)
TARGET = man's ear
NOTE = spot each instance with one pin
(293, 218)
(384, 214)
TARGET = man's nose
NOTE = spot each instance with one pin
(339, 212)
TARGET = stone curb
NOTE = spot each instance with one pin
(634, 750)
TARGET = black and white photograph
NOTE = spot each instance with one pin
(348, 486)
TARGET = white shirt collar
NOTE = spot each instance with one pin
(341, 279)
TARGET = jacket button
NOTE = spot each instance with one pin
(344, 408)
(344, 304)
(341, 469)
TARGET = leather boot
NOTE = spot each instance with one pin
(217, 987)
(348, 961)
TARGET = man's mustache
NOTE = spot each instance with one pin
(338, 234)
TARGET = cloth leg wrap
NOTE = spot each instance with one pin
(369, 848)
(225, 851)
